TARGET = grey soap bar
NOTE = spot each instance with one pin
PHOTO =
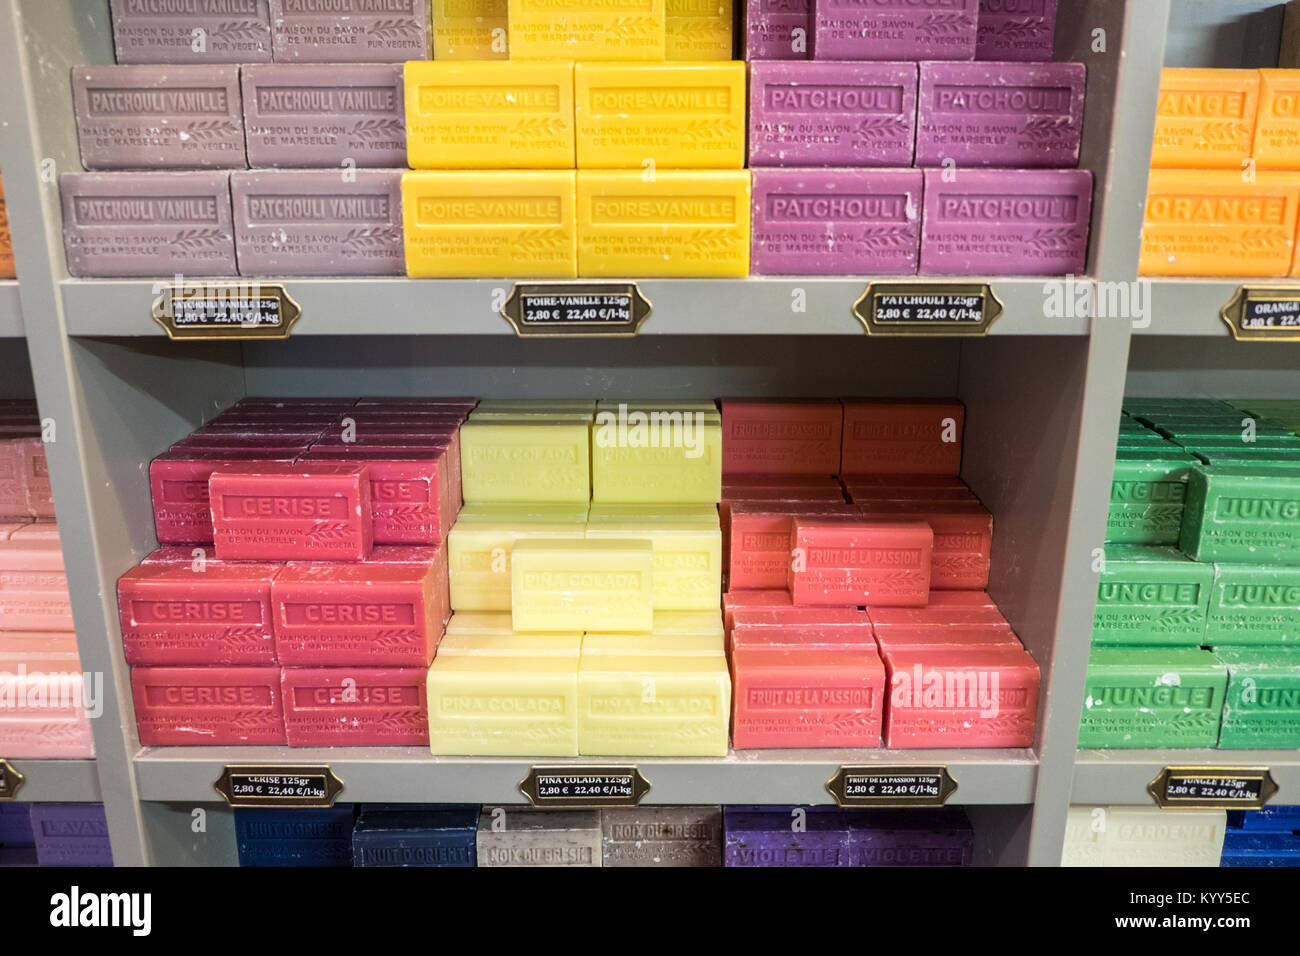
(159, 117)
(662, 836)
(350, 31)
(148, 224)
(309, 115)
(191, 31)
(318, 222)
(523, 836)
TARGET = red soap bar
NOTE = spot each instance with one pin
(963, 539)
(379, 615)
(798, 616)
(239, 445)
(252, 442)
(172, 613)
(766, 599)
(411, 417)
(876, 562)
(961, 697)
(757, 538)
(300, 414)
(229, 430)
(24, 473)
(938, 615)
(903, 436)
(960, 599)
(795, 437)
(930, 636)
(828, 636)
(178, 706)
(414, 498)
(355, 706)
(179, 484)
(311, 511)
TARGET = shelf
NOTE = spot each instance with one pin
(62, 781)
(399, 306)
(11, 316)
(1190, 307)
(1120, 777)
(410, 774)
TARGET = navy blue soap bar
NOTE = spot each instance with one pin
(274, 837)
(16, 825)
(416, 837)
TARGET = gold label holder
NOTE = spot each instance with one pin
(278, 785)
(955, 309)
(1263, 314)
(584, 788)
(225, 311)
(576, 309)
(871, 786)
(11, 781)
(1212, 788)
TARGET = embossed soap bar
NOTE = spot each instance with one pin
(1261, 707)
(1016, 30)
(1254, 604)
(768, 437)
(317, 836)
(418, 836)
(963, 539)
(178, 484)
(579, 30)
(470, 30)
(522, 836)
(910, 838)
(355, 706)
(871, 561)
(687, 544)
(526, 460)
(778, 30)
(786, 836)
(1151, 596)
(661, 836)
(656, 454)
(1205, 119)
(208, 705)
(414, 493)
(903, 436)
(1147, 494)
(1152, 697)
(686, 714)
(698, 29)
(1277, 125)
(1249, 514)
(47, 702)
(33, 583)
(894, 29)
(503, 705)
(560, 584)
(350, 31)
(234, 31)
(71, 834)
(759, 539)
(480, 542)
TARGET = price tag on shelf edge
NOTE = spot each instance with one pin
(891, 786)
(1212, 788)
(284, 786)
(207, 311)
(576, 309)
(1263, 314)
(10, 781)
(927, 308)
(584, 788)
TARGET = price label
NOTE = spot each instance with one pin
(1263, 314)
(584, 787)
(576, 309)
(1213, 788)
(891, 786)
(10, 781)
(291, 787)
(920, 308)
(204, 311)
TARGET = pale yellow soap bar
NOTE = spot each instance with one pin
(535, 405)
(653, 705)
(706, 405)
(687, 544)
(526, 460)
(518, 224)
(583, 30)
(689, 622)
(545, 644)
(683, 223)
(656, 455)
(541, 413)
(479, 622)
(470, 30)
(658, 116)
(564, 585)
(655, 644)
(503, 705)
(698, 29)
(479, 546)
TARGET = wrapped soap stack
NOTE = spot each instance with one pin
(856, 566)
(302, 583)
(887, 139)
(6, 241)
(1196, 638)
(585, 572)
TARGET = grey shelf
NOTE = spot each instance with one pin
(11, 314)
(1120, 777)
(49, 781)
(1190, 307)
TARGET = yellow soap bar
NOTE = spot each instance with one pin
(545, 644)
(564, 585)
(526, 460)
(653, 705)
(489, 115)
(655, 644)
(1211, 223)
(655, 116)
(583, 30)
(706, 405)
(512, 224)
(688, 622)
(654, 455)
(528, 405)
(515, 414)
(503, 705)
(1277, 124)
(1205, 118)
(687, 544)
(479, 622)
(470, 30)
(479, 546)
(698, 29)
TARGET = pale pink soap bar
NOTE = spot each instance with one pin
(303, 222)
(1006, 222)
(159, 117)
(836, 221)
(894, 29)
(191, 31)
(1011, 115)
(350, 31)
(832, 114)
(310, 115)
(43, 708)
(778, 29)
(33, 583)
(1016, 30)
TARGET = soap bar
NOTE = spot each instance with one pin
(963, 538)
(759, 540)
(778, 30)
(467, 224)
(1016, 30)
(656, 454)
(781, 437)
(33, 583)
(810, 488)
(308, 511)
(1147, 495)
(208, 705)
(1151, 836)
(6, 241)
(414, 493)
(159, 117)
(1254, 604)
(1083, 837)
(661, 836)
(71, 834)
(518, 460)
(47, 700)
(674, 115)
(508, 643)
(1015, 115)
(490, 115)
(298, 222)
(17, 646)
(800, 635)
(1249, 514)
(316, 836)
(894, 30)
(1030, 222)
(234, 32)
(1152, 697)
(1259, 849)
(578, 30)
(560, 584)
(298, 115)
(903, 436)
(16, 825)
(478, 623)
(873, 561)
(523, 836)
(836, 222)
(910, 838)
(1284, 819)
(1205, 119)
(470, 30)
(653, 705)
(420, 836)
(687, 545)
(1152, 596)
(480, 543)
(698, 29)
(148, 224)
(355, 706)
(786, 836)
(1261, 707)
(503, 705)
(767, 598)
(953, 637)
(654, 644)
(350, 31)
(178, 483)
(1277, 125)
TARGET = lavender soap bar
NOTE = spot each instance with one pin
(1017, 115)
(778, 29)
(226, 31)
(292, 222)
(836, 221)
(350, 31)
(309, 115)
(1016, 30)
(832, 114)
(894, 29)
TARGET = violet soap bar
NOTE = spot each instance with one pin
(778, 29)
(191, 31)
(894, 29)
(350, 31)
(786, 836)
(1016, 30)
(71, 834)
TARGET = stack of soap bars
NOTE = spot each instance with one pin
(1143, 836)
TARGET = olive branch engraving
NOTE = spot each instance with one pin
(1263, 240)
(372, 237)
(329, 531)
(874, 128)
(393, 29)
(375, 128)
(1041, 128)
(701, 130)
(945, 23)
(1060, 238)
(235, 30)
(204, 130)
(537, 241)
(1176, 619)
(888, 237)
(714, 240)
(1223, 132)
(625, 28)
(1018, 29)
(537, 128)
(191, 239)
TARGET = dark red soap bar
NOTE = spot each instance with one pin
(875, 562)
(903, 436)
(414, 497)
(355, 706)
(178, 482)
(792, 437)
(178, 706)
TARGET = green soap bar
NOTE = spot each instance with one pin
(1146, 496)
(1243, 514)
(1254, 604)
(1264, 456)
(1152, 697)
(1187, 433)
(1151, 596)
(1261, 708)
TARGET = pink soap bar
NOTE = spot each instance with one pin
(368, 614)
(309, 511)
(197, 555)
(309, 115)
(172, 613)
(413, 499)
(178, 482)
(876, 561)
(355, 706)
(963, 539)
(798, 616)
(1016, 30)
(24, 475)
(45, 714)
(350, 31)
(179, 706)
(894, 29)
(262, 445)
(159, 117)
(832, 114)
(47, 736)
(1006, 222)
(932, 636)
(989, 698)
(857, 636)
(233, 31)
(793, 437)
(303, 222)
(47, 645)
(903, 436)
(1016, 115)
(765, 599)
(757, 539)
(829, 493)
(33, 584)
(770, 29)
(836, 221)
(939, 615)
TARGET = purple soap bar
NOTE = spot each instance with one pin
(230, 31)
(1012, 115)
(832, 114)
(309, 115)
(71, 834)
(350, 31)
(159, 117)
(836, 221)
(148, 224)
(785, 836)
(1011, 222)
(770, 27)
(1016, 30)
(910, 838)
(314, 223)
(894, 29)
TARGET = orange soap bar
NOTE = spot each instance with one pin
(1205, 118)
(1277, 127)
(6, 240)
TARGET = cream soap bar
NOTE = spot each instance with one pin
(480, 543)
(656, 454)
(687, 545)
(561, 585)
(526, 460)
